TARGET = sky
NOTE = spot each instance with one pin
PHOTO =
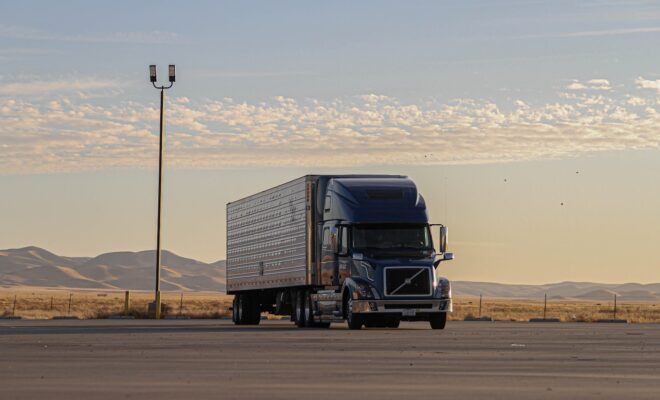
(532, 128)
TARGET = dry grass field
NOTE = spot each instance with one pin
(44, 304)
(39, 303)
(564, 310)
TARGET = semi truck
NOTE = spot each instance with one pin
(334, 248)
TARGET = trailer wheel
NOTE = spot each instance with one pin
(354, 321)
(234, 310)
(239, 309)
(438, 320)
(246, 309)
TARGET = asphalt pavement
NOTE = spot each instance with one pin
(198, 359)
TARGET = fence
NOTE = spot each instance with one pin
(548, 308)
(87, 304)
(84, 304)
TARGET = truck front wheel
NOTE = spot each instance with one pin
(438, 320)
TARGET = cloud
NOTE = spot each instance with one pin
(648, 84)
(593, 84)
(76, 134)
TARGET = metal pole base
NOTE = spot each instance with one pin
(157, 305)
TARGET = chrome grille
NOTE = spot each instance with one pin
(408, 281)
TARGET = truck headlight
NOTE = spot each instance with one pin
(364, 290)
(443, 289)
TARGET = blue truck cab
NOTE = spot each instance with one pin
(352, 247)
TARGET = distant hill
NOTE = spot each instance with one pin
(33, 266)
(562, 290)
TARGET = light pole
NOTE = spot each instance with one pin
(152, 78)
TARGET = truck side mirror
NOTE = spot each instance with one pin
(444, 233)
(342, 241)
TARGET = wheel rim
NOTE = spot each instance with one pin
(349, 312)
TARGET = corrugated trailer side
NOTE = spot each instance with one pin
(269, 240)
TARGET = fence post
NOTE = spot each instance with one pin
(181, 305)
(51, 303)
(614, 305)
(13, 311)
(127, 302)
(479, 305)
(545, 304)
(70, 297)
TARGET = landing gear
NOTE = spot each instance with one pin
(438, 320)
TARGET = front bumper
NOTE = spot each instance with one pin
(404, 308)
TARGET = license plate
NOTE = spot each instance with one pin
(408, 313)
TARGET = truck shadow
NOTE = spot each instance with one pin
(99, 327)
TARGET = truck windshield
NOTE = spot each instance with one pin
(391, 237)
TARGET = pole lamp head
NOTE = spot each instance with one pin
(172, 73)
(152, 73)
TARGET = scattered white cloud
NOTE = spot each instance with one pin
(592, 84)
(648, 84)
(72, 133)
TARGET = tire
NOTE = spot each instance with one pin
(246, 310)
(438, 320)
(299, 309)
(307, 310)
(234, 310)
(354, 321)
(239, 309)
